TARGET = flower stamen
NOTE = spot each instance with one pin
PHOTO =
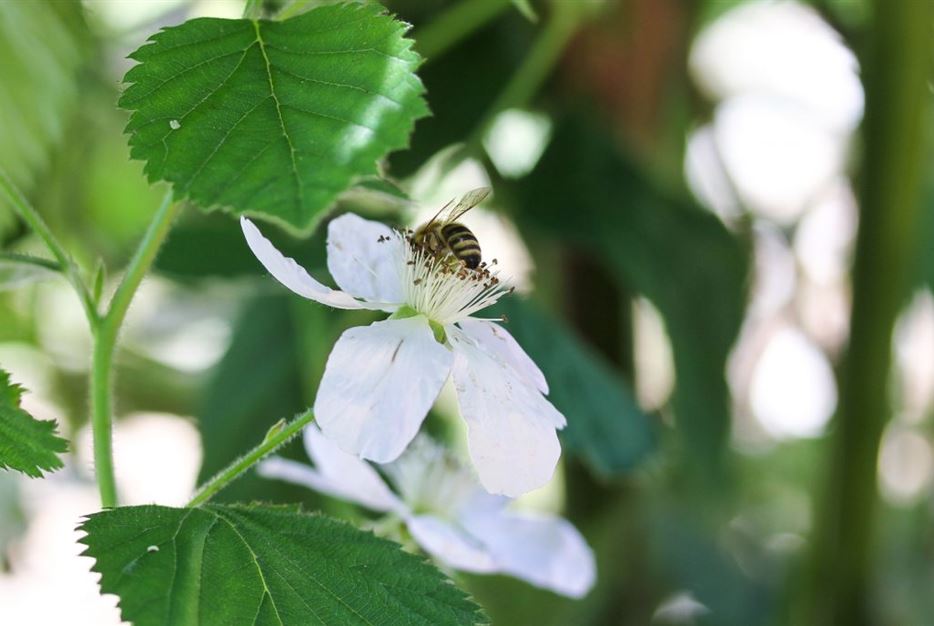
(442, 287)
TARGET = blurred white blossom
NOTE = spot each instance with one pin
(448, 514)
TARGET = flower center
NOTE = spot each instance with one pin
(430, 480)
(442, 288)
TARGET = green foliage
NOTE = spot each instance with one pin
(230, 565)
(605, 426)
(926, 248)
(526, 9)
(212, 245)
(27, 445)
(256, 383)
(463, 84)
(273, 119)
(662, 246)
(39, 80)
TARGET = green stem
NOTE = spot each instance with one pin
(562, 23)
(26, 259)
(105, 341)
(66, 264)
(454, 24)
(253, 9)
(897, 64)
(277, 436)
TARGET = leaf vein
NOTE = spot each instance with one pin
(317, 81)
(129, 102)
(272, 90)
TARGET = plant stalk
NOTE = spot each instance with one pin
(35, 222)
(897, 65)
(560, 26)
(278, 435)
(25, 259)
(455, 24)
(105, 341)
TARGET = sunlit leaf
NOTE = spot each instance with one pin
(273, 119)
(231, 565)
(27, 445)
(605, 425)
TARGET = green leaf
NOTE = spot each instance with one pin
(605, 425)
(41, 50)
(242, 401)
(658, 244)
(27, 445)
(231, 565)
(526, 9)
(273, 119)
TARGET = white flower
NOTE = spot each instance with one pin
(448, 514)
(380, 380)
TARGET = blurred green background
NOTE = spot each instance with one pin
(678, 189)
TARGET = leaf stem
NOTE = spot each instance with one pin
(253, 9)
(454, 24)
(105, 341)
(66, 264)
(26, 259)
(897, 64)
(562, 23)
(277, 436)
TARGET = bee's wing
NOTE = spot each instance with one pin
(434, 218)
(468, 201)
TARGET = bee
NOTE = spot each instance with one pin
(445, 236)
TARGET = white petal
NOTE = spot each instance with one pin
(511, 427)
(450, 545)
(293, 275)
(378, 384)
(366, 258)
(497, 341)
(349, 488)
(350, 473)
(546, 551)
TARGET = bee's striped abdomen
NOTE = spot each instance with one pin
(462, 243)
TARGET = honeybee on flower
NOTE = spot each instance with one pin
(380, 380)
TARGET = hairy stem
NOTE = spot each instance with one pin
(455, 24)
(25, 259)
(66, 264)
(277, 436)
(105, 341)
(897, 64)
